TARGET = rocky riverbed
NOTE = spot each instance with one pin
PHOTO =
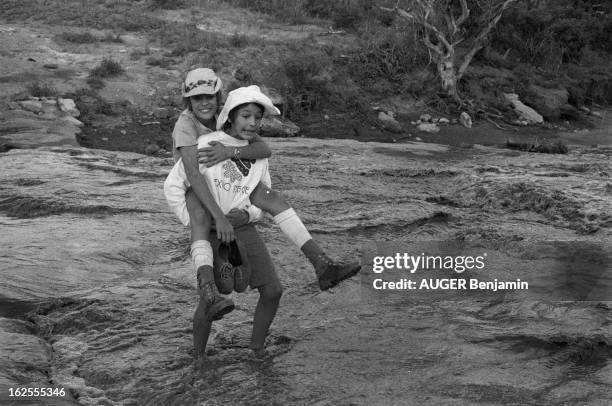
(97, 290)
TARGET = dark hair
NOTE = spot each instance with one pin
(220, 100)
(230, 117)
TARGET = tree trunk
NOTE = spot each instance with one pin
(448, 75)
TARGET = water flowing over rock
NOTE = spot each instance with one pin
(97, 270)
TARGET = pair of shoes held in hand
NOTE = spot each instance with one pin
(232, 271)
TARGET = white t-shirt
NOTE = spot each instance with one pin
(230, 182)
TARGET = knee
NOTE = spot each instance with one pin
(272, 292)
(199, 215)
(269, 200)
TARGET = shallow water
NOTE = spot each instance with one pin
(111, 292)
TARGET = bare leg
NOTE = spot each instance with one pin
(211, 306)
(268, 200)
(201, 329)
(269, 299)
(199, 218)
(329, 272)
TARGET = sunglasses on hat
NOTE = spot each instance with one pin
(189, 87)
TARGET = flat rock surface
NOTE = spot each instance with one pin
(95, 269)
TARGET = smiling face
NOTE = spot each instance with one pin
(245, 120)
(204, 107)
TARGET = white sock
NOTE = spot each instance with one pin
(292, 227)
(201, 253)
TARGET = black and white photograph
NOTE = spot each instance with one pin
(305, 202)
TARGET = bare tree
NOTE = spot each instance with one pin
(445, 26)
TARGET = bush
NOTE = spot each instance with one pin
(554, 34)
(167, 4)
(162, 62)
(187, 38)
(308, 77)
(110, 37)
(238, 40)
(78, 37)
(107, 68)
(390, 54)
(41, 90)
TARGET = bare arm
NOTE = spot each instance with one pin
(217, 152)
(189, 155)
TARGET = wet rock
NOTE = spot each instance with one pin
(425, 118)
(569, 112)
(278, 127)
(389, 123)
(428, 128)
(25, 358)
(31, 131)
(87, 99)
(124, 329)
(546, 101)
(50, 108)
(72, 120)
(524, 112)
(151, 149)
(68, 106)
(465, 120)
(34, 106)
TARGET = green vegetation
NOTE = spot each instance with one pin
(107, 68)
(78, 37)
(37, 89)
(125, 15)
(553, 44)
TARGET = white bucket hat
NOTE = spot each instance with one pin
(201, 81)
(242, 95)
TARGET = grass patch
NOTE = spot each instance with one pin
(112, 37)
(167, 4)
(37, 89)
(107, 68)
(124, 15)
(238, 40)
(90, 103)
(162, 62)
(187, 38)
(78, 37)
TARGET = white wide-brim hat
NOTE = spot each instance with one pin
(242, 95)
(201, 81)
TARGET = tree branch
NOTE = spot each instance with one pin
(479, 41)
(465, 14)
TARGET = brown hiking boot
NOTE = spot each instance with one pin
(216, 305)
(331, 273)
